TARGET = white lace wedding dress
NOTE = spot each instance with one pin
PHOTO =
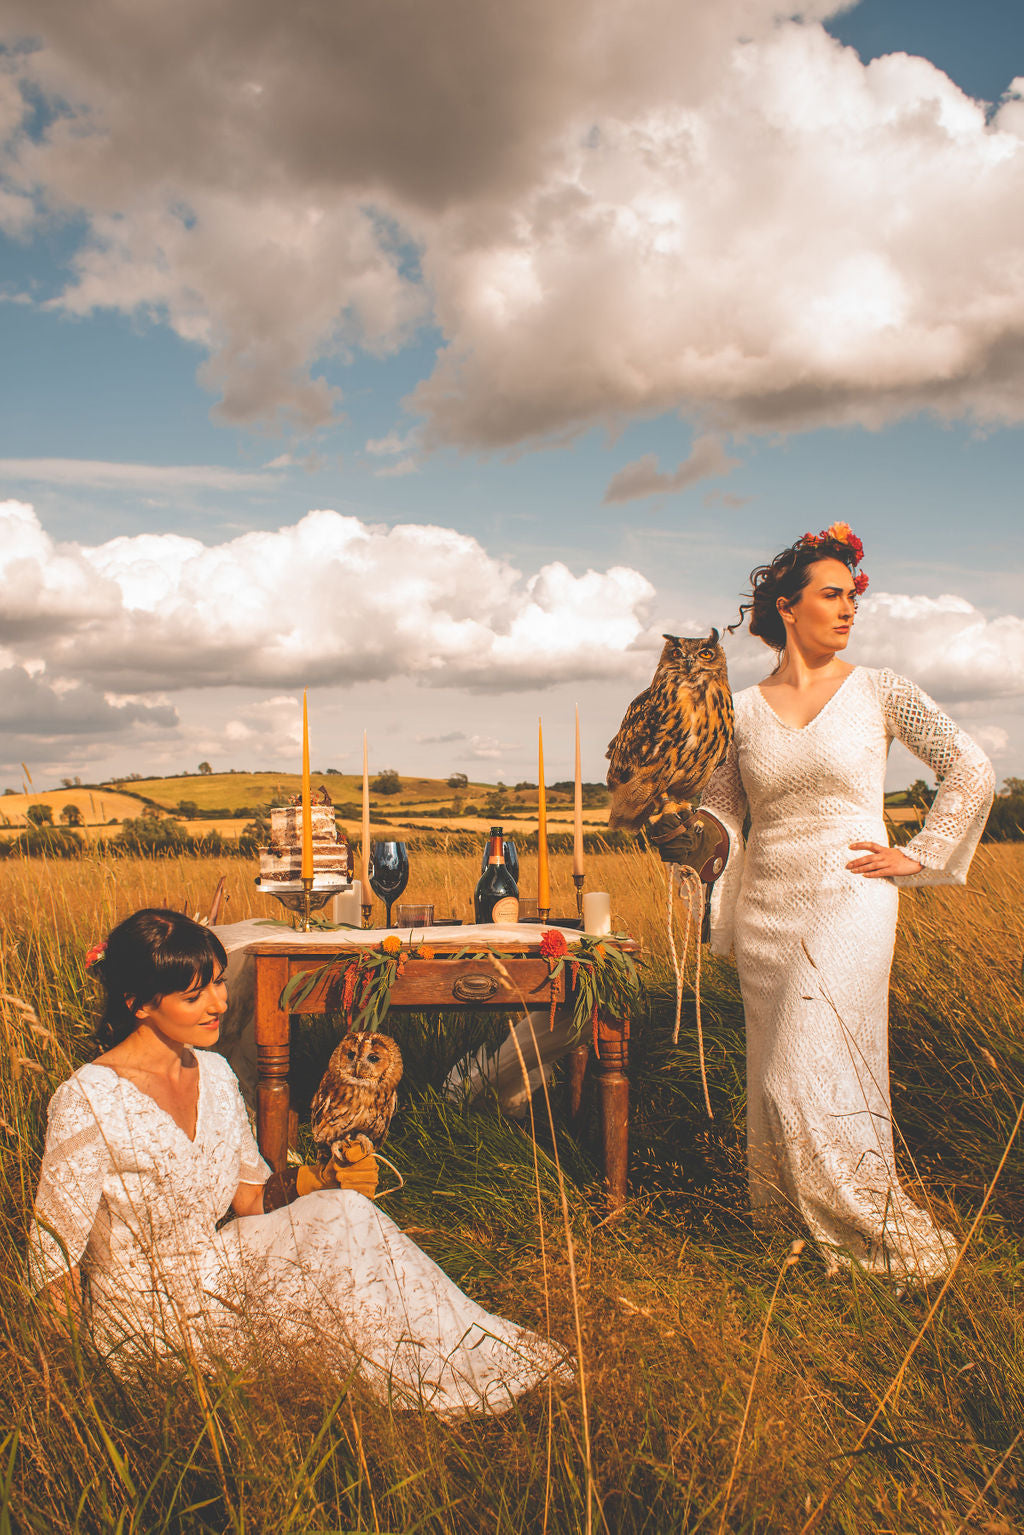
(124, 1191)
(814, 943)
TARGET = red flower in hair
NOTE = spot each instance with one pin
(95, 954)
(857, 547)
(860, 583)
(553, 945)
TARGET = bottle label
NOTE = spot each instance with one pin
(506, 910)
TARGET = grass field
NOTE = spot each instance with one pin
(725, 1391)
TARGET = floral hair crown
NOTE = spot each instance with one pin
(95, 954)
(839, 533)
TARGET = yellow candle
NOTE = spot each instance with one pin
(366, 824)
(577, 807)
(543, 883)
(307, 814)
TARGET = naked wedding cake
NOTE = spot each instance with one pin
(281, 859)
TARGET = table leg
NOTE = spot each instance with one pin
(273, 1049)
(613, 1087)
(578, 1058)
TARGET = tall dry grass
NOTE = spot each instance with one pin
(726, 1391)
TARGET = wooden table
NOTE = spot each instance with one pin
(428, 985)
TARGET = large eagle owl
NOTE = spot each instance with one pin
(673, 735)
(358, 1093)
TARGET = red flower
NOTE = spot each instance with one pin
(857, 547)
(860, 583)
(553, 945)
(95, 954)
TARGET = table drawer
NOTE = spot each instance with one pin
(506, 982)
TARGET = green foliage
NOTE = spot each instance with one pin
(386, 782)
(43, 842)
(1006, 819)
(204, 767)
(40, 815)
(71, 815)
(458, 781)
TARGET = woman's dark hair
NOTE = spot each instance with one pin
(786, 576)
(147, 957)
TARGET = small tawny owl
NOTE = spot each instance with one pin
(358, 1093)
(673, 735)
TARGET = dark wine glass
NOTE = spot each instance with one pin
(511, 858)
(389, 871)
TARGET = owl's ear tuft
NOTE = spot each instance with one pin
(712, 639)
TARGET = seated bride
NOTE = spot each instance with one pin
(149, 1146)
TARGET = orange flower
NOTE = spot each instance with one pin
(599, 951)
(841, 532)
(423, 951)
(553, 945)
(391, 946)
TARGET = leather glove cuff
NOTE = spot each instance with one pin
(358, 1171)
(699, 841)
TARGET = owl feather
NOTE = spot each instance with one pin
(673, 735)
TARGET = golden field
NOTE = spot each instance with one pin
(724, 1391)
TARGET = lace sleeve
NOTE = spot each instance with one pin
(252, 1168)
(76, 1160)
(945, 844)
(726, 798)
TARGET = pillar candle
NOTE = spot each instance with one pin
(543, 883)
(577, 807)
(307, 813)
(365, 849)
(597, 912)
(347, 906)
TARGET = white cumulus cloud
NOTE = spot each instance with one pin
(328, 599)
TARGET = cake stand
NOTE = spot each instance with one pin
(304, 896)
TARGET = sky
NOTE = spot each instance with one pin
(440, 358)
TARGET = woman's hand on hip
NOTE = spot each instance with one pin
(881, 862)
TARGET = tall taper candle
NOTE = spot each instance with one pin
(577, 807)
(307, 814)
(543, 883)
(365, 849)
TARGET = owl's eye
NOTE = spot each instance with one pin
(373, 1059)
(706, 654)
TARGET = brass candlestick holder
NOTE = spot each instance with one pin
(367, 908)
(577, 880)
(544, 913)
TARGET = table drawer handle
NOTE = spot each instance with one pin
(475, 988)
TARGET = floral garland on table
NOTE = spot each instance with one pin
(603, 976)
(358, 985)
(840, 533)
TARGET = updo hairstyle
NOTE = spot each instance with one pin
(786, 576)
(147, 957)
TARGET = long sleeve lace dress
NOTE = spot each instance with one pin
(126, 1193)
(814, 942)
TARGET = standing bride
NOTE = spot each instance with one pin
(810, 904)
(148, 1147)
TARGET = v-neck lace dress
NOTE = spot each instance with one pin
(126, 1193)
(813, 944)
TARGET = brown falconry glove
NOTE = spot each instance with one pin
(697, 841)
(352, 1167)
